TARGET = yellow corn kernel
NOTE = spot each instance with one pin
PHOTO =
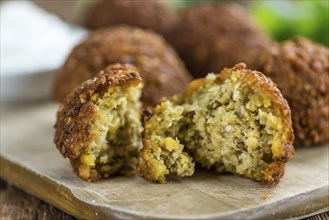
(274, 122)
(267, 103)
(276, 148)
(88, 159)
(158, 169)
(171, 144)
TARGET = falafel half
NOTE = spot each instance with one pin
(210, 37)
(154, 15)
(300, 68)
(162, 71)
(236, 121)
(98, 126)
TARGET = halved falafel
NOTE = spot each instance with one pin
(98, 126)
(236, 121)
(163, 73)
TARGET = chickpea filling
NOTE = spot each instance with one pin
(223, 125)
(116, 128)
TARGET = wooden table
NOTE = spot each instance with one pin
(17, 204)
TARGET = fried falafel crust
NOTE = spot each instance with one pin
(154, 15)
(273, 164)
(75, 117)
(162, 71)
(300, 68)
(211, 37)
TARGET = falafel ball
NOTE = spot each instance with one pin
(300, 68)
(98, 126)
(236, 121)
(154, 15)
(212, 37)
(163, 73)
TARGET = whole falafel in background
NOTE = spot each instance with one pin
(212, 37)
(163, 73)
(154, 15)
(300, 68)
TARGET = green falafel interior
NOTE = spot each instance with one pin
(116, 129)
(236, 121)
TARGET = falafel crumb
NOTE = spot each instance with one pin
(266, 196)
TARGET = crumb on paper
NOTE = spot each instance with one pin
(266, 196)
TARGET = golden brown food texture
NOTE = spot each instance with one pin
(98, 125)
(236, 121)
(162, 71)
(300, 68)
(154, 15)
(211, 37)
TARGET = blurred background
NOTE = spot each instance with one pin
(37, 36)
(284, 19)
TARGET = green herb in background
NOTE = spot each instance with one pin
(283, 19)
(286, 19)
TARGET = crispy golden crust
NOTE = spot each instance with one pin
(76, 115)
(162, 71)
(143, 169)
(300, 68)
(276, 166)
(152, 15)
(212, 37)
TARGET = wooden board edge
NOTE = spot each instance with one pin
(62, 198)
(52, 193)
(299, 206)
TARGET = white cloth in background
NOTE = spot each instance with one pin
(32, 41)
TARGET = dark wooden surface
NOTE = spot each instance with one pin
(16, 204)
